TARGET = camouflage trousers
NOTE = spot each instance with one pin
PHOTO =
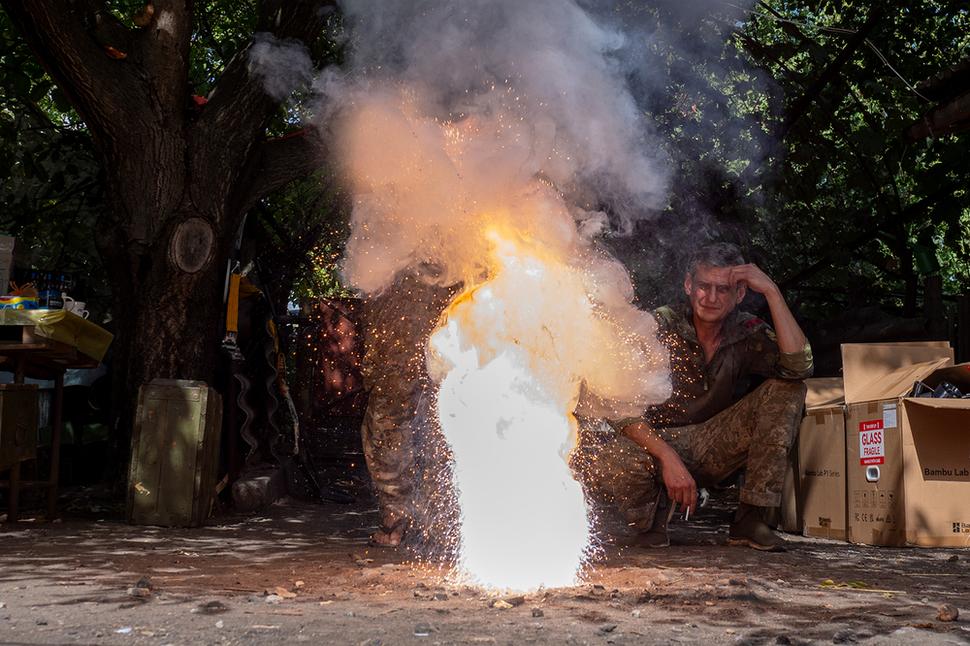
(756, 433)
(389, 438)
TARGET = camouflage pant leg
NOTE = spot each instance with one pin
(388, 439)
(616, 471)
(756, 433)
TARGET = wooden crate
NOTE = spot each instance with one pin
(175, 454)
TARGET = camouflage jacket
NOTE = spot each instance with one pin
(748, 348)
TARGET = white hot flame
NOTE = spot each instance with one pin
(523, 516)
(511, 358)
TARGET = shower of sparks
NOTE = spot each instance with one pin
(542, 329)
(504, 405)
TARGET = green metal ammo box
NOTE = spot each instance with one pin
(18, 423)
(175, 453)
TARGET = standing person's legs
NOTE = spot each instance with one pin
(387, 438)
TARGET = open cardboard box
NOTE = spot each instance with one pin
(908, 459)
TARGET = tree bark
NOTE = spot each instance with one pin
(178, 182)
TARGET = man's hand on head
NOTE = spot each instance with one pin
(753, 278)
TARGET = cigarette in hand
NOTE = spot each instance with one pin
(687, 515)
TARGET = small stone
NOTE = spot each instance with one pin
(515, 601)
(139, 593)
(537, 612)
(948, 612)
(953, 559)
(608, 628)
(635, 614)
(41, 622)
(272, 598)
(210, 608)
(282, 592)
(220, 623)
(440, 596)
(502, 604)
(124, 631)
(423, 630)
(785, 640)
(844, 637)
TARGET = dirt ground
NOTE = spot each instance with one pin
(303, 572)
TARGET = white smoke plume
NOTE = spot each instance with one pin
(458, 119)
(281, 65)
(542, 76)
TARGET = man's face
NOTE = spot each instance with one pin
(712, 296)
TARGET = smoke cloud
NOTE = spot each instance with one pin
(536, 90)
(282, 65)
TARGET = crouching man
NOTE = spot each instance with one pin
(709, 428)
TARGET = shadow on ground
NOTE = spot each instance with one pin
(305, 572)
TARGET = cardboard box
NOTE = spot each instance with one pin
(890, 438)
(821, 483)
(811, 463)
(936, 464)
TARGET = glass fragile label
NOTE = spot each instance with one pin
(872, 444)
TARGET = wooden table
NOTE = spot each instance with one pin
(27, 352)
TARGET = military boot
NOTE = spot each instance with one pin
(656, 536)
(750, 530)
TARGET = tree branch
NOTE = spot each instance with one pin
(163, 52)
(239, 107)
(69, 40)
(275, 164)
(949, 117)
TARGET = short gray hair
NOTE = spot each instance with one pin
(716, 254)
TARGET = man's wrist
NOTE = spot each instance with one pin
(665, 454)
(774, 293)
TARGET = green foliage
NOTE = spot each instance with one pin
(50, 189)
(878, 210)
(305, 239)
(841, 207)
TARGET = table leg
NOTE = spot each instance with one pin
(13, 502)
(58, 427)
